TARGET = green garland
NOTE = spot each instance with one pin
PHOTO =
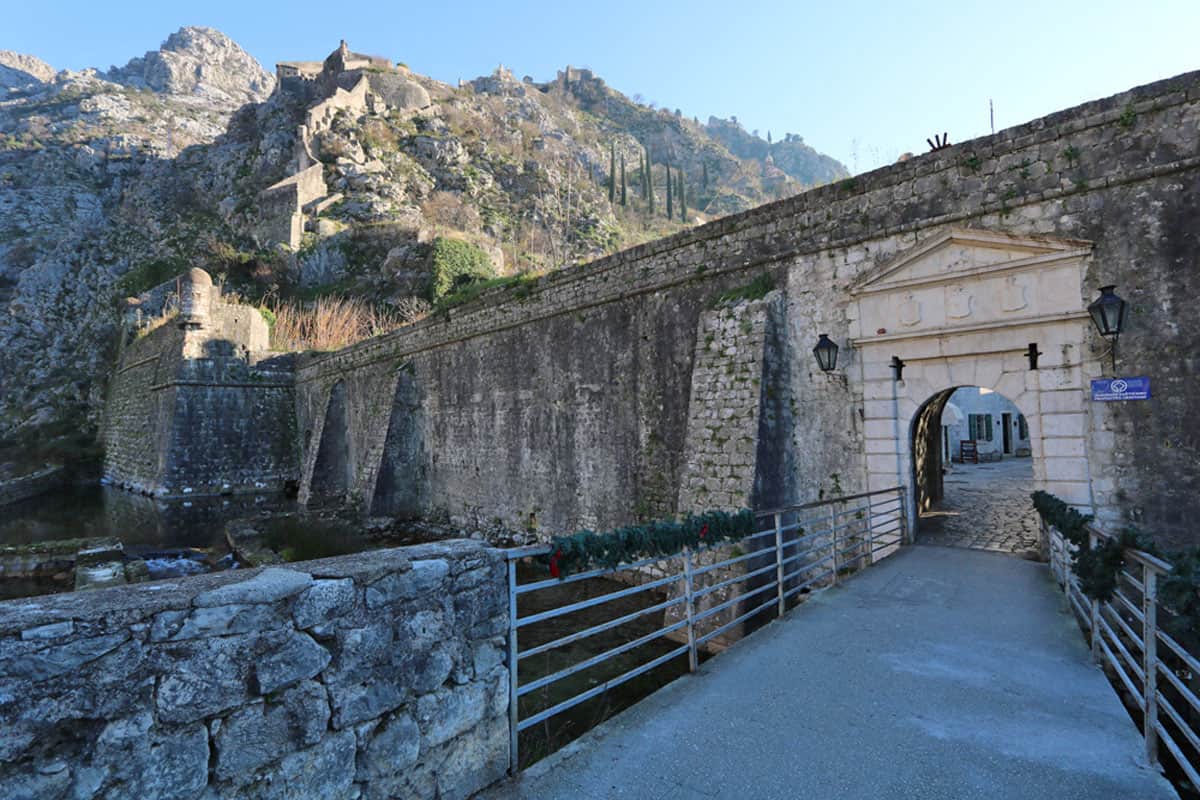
(588, 550)
(1098, 567)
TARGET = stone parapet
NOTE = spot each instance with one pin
(374, 675)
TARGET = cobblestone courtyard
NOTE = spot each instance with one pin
(986, 507)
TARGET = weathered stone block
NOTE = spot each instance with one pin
(488, 654)
(218, 621)
(324, 601)
(206, 678)
(56, 660)
(477, 760)
(299, 658)
(268, 586)
(325, 771)
(55, 630)
(391, 749)
(135, 760)
(356, 702)
(423, 578)
(481, 611)
(450, 712)
(259, 734)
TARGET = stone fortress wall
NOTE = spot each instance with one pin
(365, 676)
(565, 403)
(199, 405)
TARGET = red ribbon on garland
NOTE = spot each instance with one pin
(554, 570)
(703, 530)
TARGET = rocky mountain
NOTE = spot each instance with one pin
(202, 64)
(790, 154)
(17, 69)
(338, 176)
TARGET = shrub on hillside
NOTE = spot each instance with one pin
(456, 264)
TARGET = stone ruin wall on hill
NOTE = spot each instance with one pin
(565, 403)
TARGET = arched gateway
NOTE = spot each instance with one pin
(963, 310)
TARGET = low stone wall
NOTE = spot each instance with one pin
(381, 674)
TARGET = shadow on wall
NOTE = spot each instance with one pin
(331, 477)
(398, 487)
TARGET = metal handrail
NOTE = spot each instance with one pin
(825, 542)
(1133, 656)
(827, 501)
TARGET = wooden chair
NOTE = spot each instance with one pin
(968, 450)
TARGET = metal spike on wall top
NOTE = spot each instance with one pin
(938, 142)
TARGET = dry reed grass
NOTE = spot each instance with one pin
(329, 323)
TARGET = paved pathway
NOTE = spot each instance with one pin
(986, 507)
(939, 674)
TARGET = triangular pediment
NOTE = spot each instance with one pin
(964, 252)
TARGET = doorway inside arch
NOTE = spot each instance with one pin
(973, 473)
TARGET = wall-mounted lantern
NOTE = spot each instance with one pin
(897, 368)
(1108, 314)
(826, 352)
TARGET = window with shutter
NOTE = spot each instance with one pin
(987, 427)
(1022, 427)
(971, 431)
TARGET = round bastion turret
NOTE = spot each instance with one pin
(195, 296)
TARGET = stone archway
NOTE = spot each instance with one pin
(962, 310)
(975, 497)
(927, 452)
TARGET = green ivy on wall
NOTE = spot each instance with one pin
(589, 550)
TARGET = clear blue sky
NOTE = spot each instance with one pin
(862, 81)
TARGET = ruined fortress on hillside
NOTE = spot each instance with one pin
(627, 388)
(345, 81)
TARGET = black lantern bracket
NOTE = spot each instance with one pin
(1108, 315)
(826, 353)
(897, 368)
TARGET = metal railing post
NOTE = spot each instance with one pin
(779, 563)
(690, 609)
(1150, 660)
(1096, 654)
(834, 542)
(906, 536)
(513, 716)
(870, 532)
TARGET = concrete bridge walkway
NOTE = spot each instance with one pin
(940, 673)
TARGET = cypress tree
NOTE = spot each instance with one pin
(670, 207)
(682, 198)
(624, 185)
(612, 172)
(650, 182)
(645, 174)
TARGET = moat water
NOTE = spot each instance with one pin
(174, 537)
(143, 524)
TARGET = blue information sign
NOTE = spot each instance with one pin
(1106, 389)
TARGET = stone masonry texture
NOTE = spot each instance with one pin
(565, 406)
(375, 675)
(564, 403)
